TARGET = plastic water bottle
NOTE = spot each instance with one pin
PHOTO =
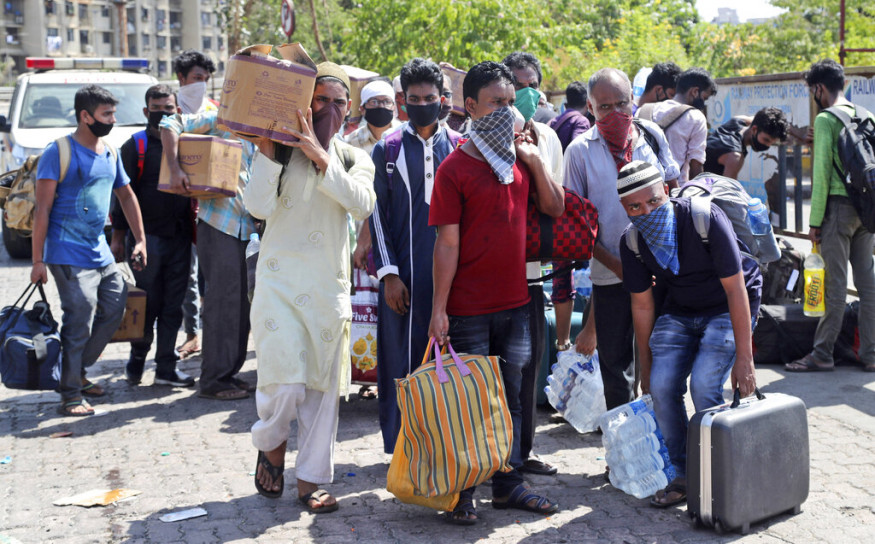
(648, 485)
(758, 217)
(632, 429)
(252, 249)
(582, 282)
(815, 277)
(640, 82)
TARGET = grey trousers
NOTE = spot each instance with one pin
(191, 305)
(93, 304)
(843, 241)
(225, 311)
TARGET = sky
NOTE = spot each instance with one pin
(746, 9)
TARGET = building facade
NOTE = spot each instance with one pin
(154, 29)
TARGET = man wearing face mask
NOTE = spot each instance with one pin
(661, 83)
(728, 143)
(703, 331)
(223, 230)
(835, 224)
(480, 301)
(683, 120)
(167, 220)
(378, 110)
(403, 240)
(68, 241)
(591, 165)
(193, 71)
(301, 306)
(526, 70)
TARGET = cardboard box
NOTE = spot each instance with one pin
(262, 94)
(133, 323)
(211, 163)
(456, 77)
(358, 78)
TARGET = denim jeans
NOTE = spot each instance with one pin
(93, 304)
(504, 334)
(164, 279)
(701, 348)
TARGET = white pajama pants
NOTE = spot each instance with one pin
(316, 413)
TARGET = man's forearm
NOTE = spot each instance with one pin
(131, 209)
(612, 262)
(550, 197)
(38, 236)
(170, 142)
(446, 261)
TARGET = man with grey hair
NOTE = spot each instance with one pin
(592, 161)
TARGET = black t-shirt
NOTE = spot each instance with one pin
(164, 214)
(724, 139)
(696, 289)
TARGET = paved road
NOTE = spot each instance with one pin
(184, 452)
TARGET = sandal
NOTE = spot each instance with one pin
(66, 408)
(520, 498)
(533, 465)
(188, 348)
(91, 389)
(808, 364)
(317, 496)
(662, 502)
(275, 472)
(869, 368)
(461, 514)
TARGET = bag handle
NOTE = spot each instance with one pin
(736, 397)
(439, 360)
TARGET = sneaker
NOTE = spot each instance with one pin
(179, 379)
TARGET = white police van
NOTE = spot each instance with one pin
(41, 110)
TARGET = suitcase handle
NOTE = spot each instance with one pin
(736, 397)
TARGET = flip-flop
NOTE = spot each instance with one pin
(869, 368)
(808, 364)
(65, 408)
(672, 488)
(536, 466)
(276, 474)
(90, 389)
(521, 496)
(367, 393)
(184, 352)
(317, 496)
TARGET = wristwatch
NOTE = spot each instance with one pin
(563, 347)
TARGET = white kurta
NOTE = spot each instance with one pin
(301, 309)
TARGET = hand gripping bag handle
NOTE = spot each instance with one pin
(439, 360)
(736, 397)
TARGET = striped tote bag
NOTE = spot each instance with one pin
(456, 429)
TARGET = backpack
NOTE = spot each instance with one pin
(21, 202)
(782, 280)
(646, 112)
(856, 150)
(649, 138)
(730, 197)
(393, 150)
(142, 142)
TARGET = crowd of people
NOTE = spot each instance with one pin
(439, 201)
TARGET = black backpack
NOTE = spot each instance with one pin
(782, 279)
(856, 150)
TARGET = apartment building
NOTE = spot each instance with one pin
(154, 29)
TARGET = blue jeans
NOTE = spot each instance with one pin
(93, 304)
(701, 348)
(504, 334)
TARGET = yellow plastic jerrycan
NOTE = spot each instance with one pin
(815, 277)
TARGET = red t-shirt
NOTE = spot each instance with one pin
(491, 275)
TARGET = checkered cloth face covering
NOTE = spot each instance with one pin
(493, 137)
(659, 229)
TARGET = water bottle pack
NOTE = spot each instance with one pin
(582, 282)
(635, 449)
(575, 390)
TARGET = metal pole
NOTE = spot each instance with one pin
(797, 193)
(782, 186)
(123, 26)
(842, 33)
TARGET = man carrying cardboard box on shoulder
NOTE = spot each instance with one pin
(223, 230)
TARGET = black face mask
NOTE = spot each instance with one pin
(756, 144)
(424, 116)
(378, 117)
(155, 118)
(100, 129)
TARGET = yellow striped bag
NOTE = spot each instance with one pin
(456, 429)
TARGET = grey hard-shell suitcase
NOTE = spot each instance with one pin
(747, 461)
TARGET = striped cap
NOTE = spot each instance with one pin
(637, 175)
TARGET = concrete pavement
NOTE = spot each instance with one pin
(184, 452)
